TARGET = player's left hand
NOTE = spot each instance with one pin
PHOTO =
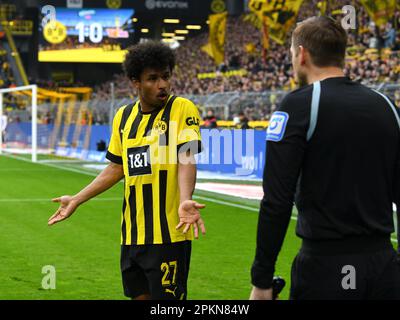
(189, 214)
(260, 294)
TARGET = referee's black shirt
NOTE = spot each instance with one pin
(338, 142)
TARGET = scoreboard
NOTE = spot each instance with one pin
(84, 35)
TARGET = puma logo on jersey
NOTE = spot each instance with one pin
(171, 291)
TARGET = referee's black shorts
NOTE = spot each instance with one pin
(160, 270)
(352, 269)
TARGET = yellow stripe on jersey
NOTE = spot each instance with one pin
(126, 215)
(139, 216)
(156, 215)
(147, 144)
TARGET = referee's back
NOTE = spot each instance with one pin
(351, 163)
(333, 146)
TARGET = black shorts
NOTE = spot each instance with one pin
(372, 274)
(160, 270)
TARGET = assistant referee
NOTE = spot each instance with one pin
(333, 147)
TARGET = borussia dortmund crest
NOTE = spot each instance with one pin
(160, 127)
(55, 32)
(114, 4)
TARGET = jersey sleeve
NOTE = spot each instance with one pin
(397, 177)
(285, 148)
(189, 137)
(114, 152)
(396, 199)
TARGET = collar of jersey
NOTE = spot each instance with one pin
(339, 78)
(155, 110)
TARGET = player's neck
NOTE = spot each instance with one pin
(324, 73)
(147, 108)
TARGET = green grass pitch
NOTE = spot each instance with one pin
(85, 248)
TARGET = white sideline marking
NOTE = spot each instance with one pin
(293, 217)
(203, 174)
(49, 200)
(53, 166)
(228, 203)
(20, 169)
(253, 192)
(95, 166)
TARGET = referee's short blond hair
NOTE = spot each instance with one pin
(324, 38)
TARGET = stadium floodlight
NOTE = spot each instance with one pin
(171, 20)
(181, 31)
(193, 27)
(167, 34)
(33, 133)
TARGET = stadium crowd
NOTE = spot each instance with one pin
(5, 71)
(373, 57)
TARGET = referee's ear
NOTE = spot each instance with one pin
(303, 53)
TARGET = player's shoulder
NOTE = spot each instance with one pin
(182, 106)
(297, 100)
(384, 98)
(298, 94)
(183, 102)
(125, 108)
(293, 114)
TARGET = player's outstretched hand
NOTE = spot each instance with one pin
(189, 214)
(67, 207)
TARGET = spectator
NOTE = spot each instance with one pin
(210, 121)
(390, 36)
(243, 121)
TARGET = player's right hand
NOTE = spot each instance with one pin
(189, 214)
(67, 207)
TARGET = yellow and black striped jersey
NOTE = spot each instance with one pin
(147, 145)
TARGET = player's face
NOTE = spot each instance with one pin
(299, 74)
(154, 86)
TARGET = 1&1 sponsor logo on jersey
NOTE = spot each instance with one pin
(139, 161)
(277, 126)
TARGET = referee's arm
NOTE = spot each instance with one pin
(397, 199)
(281, 172)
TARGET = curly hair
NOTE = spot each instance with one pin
(150, 54)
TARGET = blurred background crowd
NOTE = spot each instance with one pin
(373, 57)
(256, 78)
